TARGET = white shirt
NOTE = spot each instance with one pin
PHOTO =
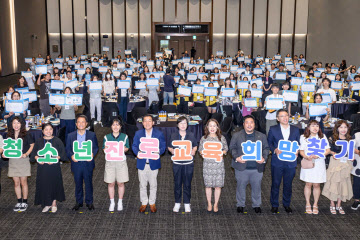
(285, 132)
(331, 91)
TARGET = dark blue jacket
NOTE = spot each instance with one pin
(274, 136)
(69, 149)
(154, 164)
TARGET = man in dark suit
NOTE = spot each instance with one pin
(148, 168)
(248, 171)
(282, 169)
(82, 170)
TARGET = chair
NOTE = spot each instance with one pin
(226, 128)
(218, 117)
(353, 109)
(61, 134)
(355, 119)
(169, 108)
(138, 112)
(295, 109)
(202, 112)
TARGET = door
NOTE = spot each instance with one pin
(200, 49)
(175, 45)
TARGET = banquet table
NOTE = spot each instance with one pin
(339, 108)
(169, 127)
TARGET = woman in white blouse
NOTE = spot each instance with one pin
(316, 175)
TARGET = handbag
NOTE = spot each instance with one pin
(306, 164)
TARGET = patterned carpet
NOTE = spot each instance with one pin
(199, 224)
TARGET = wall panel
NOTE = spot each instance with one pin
(218, 26)
(194, 11)
(93, 26)
(53, 26)
(301, 26)
(287, 26)
(169, 11)
(106, 25)
(79, 26)
(181, 10)
(119, 27)
(157, 11)
(273, 27)
(232, 27)
(145, 28)
(260, 27)
(66, 27)
(246, 25)
(206, 10)
(132, 24)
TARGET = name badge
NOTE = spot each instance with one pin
(357, 93)
(318, 119)
(67, 107)
(267, 82)
(308, 98)
(211, 98)
(198, 97)
(248, 109)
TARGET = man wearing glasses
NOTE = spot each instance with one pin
(282, 169)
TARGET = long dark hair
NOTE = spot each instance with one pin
(25, 82)
(11, 131)
(307, 129)
(218, 131)
(335, 135)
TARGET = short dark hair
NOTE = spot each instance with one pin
(249, 116)
(280, 111)
(148, 115)
(81, 116)
(182, 118)
(326, 79)
(275, 85)
(357, 76)
(45, 125)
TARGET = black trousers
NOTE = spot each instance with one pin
(182, 181)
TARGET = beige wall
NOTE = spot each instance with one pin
(5, 39)
(334, 31)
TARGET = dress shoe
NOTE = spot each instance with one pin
(142, 208)
(240, 209)
(90, 206)
(153, 208)
(257, 210)
(274, 210)
(77, 206)
(288, 210)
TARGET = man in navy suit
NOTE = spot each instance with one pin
(148, 168)
(83, 170)
(282, 169)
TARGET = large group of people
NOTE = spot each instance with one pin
(170, 78)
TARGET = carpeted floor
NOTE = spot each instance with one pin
(130, 224)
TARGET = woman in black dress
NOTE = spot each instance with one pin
(49, 183)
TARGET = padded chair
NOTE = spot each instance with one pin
(202, 112)
(169, 108)
(138, 112)
(295, 109)
(353, 109)
(61, 134)
(226, 128)
(355, 119)
(218, 117)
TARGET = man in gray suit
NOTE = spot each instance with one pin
(248, 171)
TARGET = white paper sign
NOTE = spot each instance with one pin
(243, 84)
(211, 91)
(72, 84)
(95, 85)
(186, 91)
(73, 99)
(140, 84)
(198, 88)
(256, 93)
(291, 96)
(316, 110)
(56, 99)
(250, 102)
(228, 92)
(274, 103)
(123, 84)
(308, 87)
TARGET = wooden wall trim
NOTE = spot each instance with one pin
(61, 47)
(267, 25)
(279, 43)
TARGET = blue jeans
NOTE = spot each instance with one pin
(169, 96)
(123, 108)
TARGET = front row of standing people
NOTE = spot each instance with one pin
(49, 184)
